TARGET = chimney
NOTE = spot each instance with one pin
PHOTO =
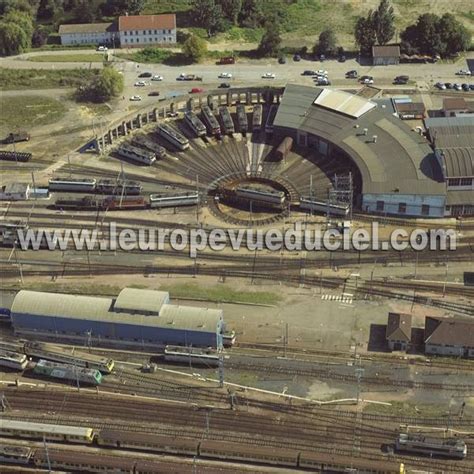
(374, 138)
(366, 130)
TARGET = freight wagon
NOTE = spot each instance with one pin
(419, 444)
(111, 186)
(13, 360)
(68, 372)
(68, 355)
(23, 157)
(242, 119)
(144, 142)
(257, 118)
(173, 136)
(194, 123)
(313, 205)
(109, 203)
(82, 185)
(210, 121)
(184, 199)
(226, 119)
(191, 355)
(15, 454)
(144, 157)
(283, 148)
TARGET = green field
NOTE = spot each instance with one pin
(69, 58)
(29, 111)
(15, 79)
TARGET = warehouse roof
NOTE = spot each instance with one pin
(449, 331)
(399, 161)
(398, 327)
(90, 308)
(86, 28)
(459, 162)
(457, 198)
(147, 22)
(455, 103)
(133, 299)
(441, 122)
(384, 51)
(343, 102)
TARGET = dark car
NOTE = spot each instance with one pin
(154, 94)
(471, 87)
(465, 87)
(322, 57)
(146, 74)
(342, 59)
(282, 60)
(401, 80)
(296, 57)
(224, 85)
(308, 73)
(17, 137)
(448, 85)
(352, 74)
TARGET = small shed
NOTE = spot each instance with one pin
(398, 332)
(410, 110)
(15, 192)
(386, 55)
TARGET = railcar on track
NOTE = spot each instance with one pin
(418, 444)
(111, 186)
(194, 123)
(13, 360)
(226, 119)
(271, 118)
(242, 119)
(191, 355)
(138, 155)
(277, 198)
(145, 142)
(173, 136)
(111, 203)
(82, 185)
(68, 372)
(210, 121)
(314, 205)
(15, 454)
(183, 199)
(65, 355)
(257, 117)
(22, 157)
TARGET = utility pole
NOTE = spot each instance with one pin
(221, 370)
(46, 452)
(197, 192)
(34, 185)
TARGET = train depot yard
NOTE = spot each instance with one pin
(269, 274)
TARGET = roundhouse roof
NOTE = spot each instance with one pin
(399, 161)
(89, 308)
(133, 299)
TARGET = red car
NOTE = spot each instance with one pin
(196, 90)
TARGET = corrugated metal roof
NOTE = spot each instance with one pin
(86, 28)
(100, 309)
(343, 102)
(455, 198)
(399, 161)
(133, 299)
(44, 428)
(384, 51)
(459, 161)
(460, 120)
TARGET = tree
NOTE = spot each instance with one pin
(84, 11)
(209, 15)
(121, 7)
(384, 19)
(49, 9)
(453, 35)
(271, 40)
(231, 9)
(251, 14)
(195, 48)
(107, 85)
(40, 36)
(16, 31)
(20, 5)
(327, 43)
(365, 34)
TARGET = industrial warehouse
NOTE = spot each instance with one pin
(136, 318)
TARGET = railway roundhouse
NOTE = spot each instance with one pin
(137, 318)
(399, 172)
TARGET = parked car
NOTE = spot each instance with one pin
(157, 78)
(322, 57)
(224, 85)
(440, 86)
(342, 59)
(140, 84)
(465, 87)
(457, 87)
(296, 57)
(196, 90)
(401, 80)
(282, 60)
(154, 94)
(463, 72)
(308, 73)
(135, 98)
(321, 72)
(366, 80)
(102, 48)
(471, 87)
(17, 137)
(448, 85)
(268, 75)
(225, 75)
(145, 74)
(323, 82)
(352, 74)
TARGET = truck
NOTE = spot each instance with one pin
(226, 60)
(188, 77)
(17, 137)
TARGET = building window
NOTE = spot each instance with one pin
(466, 181)
(380, 206)
(402, 207)
(169, 31)
(425, 210)
(454, 181)
(125, 33)
(126, 40)
(170, 39)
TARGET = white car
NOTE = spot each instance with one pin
(458, 87)
(440, 86)
(321, 72)
(140, 84)
(135, 98)
(225, 75)
(157, 78)
(463, 72)
(268, 75)
(367, 80)
(102, 48)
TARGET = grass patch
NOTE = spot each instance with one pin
(166, 6)
(30, 111)
(13, 79)
(70, 58)
(220, 293)
(427, 410)
(246, 35)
